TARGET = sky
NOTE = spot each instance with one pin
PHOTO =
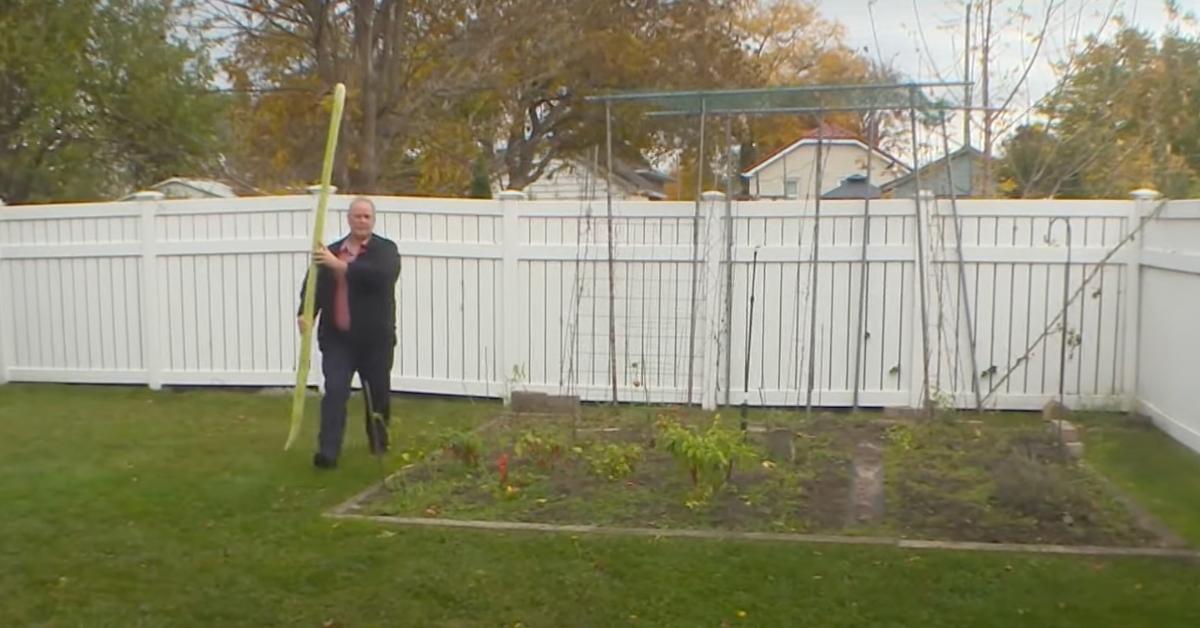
(924, 38)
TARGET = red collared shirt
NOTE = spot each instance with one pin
(341, 292)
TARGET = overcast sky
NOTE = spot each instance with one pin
(899, 25)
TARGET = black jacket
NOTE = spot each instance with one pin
(371, 280)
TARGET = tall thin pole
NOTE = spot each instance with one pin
(864, 276)
(749, 339)
(696, 254)
(962, 271)
(816, 243)
(912, 114)
(967, 77)
(612, 307)
(728, 327)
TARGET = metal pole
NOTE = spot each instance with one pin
(612, 308)
(912, 114)
(1062, 350)
(967, 75)
(695, 255)
(728, 327)
(749, 340)
(864, 276)
(812, 323)
(962, 272)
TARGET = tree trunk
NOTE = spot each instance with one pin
(989, 189)
(364, 33)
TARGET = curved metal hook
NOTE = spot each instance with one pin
(1062, 353)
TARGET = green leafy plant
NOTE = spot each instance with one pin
(545, 451)
(464, 446)
(902, 436)
(613, 461)
(708, 456)
(513, 380)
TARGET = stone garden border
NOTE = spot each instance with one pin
(345, 512)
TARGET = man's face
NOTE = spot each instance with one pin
(361, 220)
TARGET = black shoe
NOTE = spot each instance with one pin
(321, 462)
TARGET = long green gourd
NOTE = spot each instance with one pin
(310, 286)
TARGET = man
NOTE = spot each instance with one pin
(356, 300)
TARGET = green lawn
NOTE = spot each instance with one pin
(122, 507)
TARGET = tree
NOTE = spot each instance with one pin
(587, 47)
(1128, 117)
(403, 64)
(98, 98)
(783, 43)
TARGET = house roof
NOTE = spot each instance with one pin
(826, 134)
(853, 186)
(204, 186)
(638, 179)
(970, 152)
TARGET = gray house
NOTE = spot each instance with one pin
(854, 186)
(966, 164)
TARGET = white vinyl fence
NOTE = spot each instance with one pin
(1168, 341)
(512, 294)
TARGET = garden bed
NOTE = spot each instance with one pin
(1002, 479)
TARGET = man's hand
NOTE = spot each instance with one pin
(324, 257)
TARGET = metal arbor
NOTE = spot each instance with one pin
(816, 100)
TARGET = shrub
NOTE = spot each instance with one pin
(613, 461)
(709, 456)
(465, 446)
(544, 451)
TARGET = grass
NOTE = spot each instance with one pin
(122, 507)
(1161, 474)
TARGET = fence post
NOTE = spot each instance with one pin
(7, 334)
(151, 353)
(714, 244)
(918, 350)
(1142, 200)
(510, 317)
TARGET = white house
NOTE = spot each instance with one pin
(182, 187)
(570, 178)
(790, 171)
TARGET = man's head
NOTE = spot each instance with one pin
(361, 218)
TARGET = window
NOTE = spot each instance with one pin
(791, 188)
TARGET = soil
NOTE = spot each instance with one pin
(942, 480)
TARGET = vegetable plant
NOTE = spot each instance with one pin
(708, 456)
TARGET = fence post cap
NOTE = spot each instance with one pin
(1144, 194)
(512, 195)
(316, 189)
(148, 195)
(713, 195)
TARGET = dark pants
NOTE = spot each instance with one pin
(340, 359)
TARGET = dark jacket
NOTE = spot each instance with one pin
(371, 280)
